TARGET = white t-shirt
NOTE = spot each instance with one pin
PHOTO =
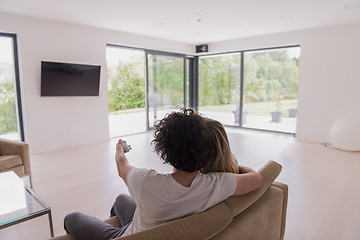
(160, 198)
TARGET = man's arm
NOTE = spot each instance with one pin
(122, 163)
(247, 181)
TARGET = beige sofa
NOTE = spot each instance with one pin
(260, 214)
(15, 156)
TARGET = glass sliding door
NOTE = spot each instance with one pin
(143, 85)
(166, 85)
(270, 89)
(219, 88)
(126, 90)
(10, 104)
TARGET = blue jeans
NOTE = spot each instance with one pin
(84, 227)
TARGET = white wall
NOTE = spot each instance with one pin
(60, 122)
(329, 81)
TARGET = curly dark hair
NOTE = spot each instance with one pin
(182, 139)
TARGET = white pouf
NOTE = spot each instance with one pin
(345, 134)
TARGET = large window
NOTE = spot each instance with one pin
(10, 104)
(271, 89)
(252, 89)
(126, 91)
(166, 91)
(143, 86)
(219, 87)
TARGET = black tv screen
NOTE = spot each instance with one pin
(69, 79)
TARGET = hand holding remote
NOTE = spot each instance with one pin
(126, 147)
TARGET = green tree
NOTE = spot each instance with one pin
(169, 80)
(252, 84)
(276, 76)
(126, 88)
(8, 122)
(218, 79)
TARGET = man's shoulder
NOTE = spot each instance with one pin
(142, 171)
(137, 176)
(218, 176)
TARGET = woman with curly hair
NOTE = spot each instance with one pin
(186, 142)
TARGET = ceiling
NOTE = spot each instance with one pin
(193, 21)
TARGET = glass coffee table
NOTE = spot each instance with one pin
(19, 203)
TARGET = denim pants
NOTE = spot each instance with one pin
(84, 227)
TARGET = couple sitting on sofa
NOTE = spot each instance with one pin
(205, 173)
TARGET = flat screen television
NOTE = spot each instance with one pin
(69, 79)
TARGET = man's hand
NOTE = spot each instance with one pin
(119, 148)
(122, 163)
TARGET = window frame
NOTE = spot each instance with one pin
(242, 54)
(17, 84)
(193, 77)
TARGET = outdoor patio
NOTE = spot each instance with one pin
(132, 123)
(135, 122)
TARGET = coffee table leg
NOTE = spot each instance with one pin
(51, 224)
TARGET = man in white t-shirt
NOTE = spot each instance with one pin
(183, 141)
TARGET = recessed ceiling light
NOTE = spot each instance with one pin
(352, 6)
(286, 17)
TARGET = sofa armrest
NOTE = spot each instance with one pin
(283, 187)
(10, 147)
(269, 172)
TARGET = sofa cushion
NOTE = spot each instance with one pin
(203, 225)
(239, 203)
(10, 161)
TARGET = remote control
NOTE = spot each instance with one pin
(126, 147)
